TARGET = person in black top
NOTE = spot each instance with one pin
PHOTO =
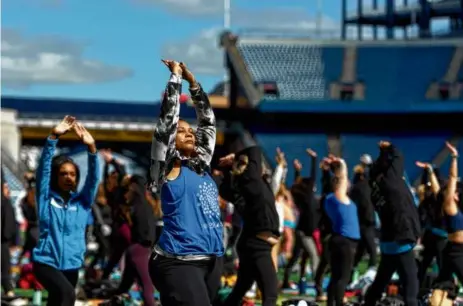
(29, 210)
(325, 227)
(303, 195)
(114, 193)
(260, 225)
(435, 235)
(142, 223)
(400, 225)
(8, 235)
(103, 221)
(361, 196)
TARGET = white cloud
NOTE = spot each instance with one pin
(28, 61)
(188, 7)
(202, 52)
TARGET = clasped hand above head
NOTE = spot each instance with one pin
(181, 69)
(70, 123)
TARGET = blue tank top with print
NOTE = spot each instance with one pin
(192, 223)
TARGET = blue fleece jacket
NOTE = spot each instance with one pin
(62, 224)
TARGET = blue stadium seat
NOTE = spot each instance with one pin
(298, 69)
(294, 146)
(304, 70)
(399, 73)
(333, 58)
(13, 182)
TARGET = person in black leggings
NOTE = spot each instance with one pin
(453, 252)
(361, 196)
(400, 225)
(435, 235)
(260, 226)
(325, 227)
(63, 215)
(346, 232)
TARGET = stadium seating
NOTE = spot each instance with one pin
(304, 70)
(13, 182)
(399, 73)
(297, 69)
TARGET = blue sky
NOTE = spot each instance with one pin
(47, 44)
(111, 49)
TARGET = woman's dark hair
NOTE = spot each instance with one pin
(139, 182)
(56, 164)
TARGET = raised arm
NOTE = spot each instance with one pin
(393, 157)
(435, 186)
(313, 166)
(165, 131)
(90, 188)
(449, 202)
(43, 174)
(206, 130)
(279, 172)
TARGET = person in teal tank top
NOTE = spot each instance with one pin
(186, 263)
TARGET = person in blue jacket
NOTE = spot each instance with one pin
(63, 214)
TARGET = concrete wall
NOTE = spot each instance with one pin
(10, 133)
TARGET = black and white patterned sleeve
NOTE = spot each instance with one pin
(206, 130)
(165, 131)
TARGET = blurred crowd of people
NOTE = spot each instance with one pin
(186, 225)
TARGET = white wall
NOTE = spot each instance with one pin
(10, 133)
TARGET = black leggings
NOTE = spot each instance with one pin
(59, 284)
(367, 243)
(136, 268)
(342, 251)
(186, 283)
(433, 247)
(452, 263)
(6, 267)
(256, 265)
(405, 265)
(323, 265)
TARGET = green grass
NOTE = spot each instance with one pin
(294, 277)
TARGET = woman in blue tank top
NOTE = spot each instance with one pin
(186, 262)
(342, 213)
(449, 197)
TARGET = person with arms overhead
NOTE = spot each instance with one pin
(343, 215)
(260, 225)
(453, 251)
(63, 214)
(361, 196)
(303, 194)
(435, 234)
(187, 260)
(400, 225)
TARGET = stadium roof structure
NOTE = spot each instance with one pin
(404, 15)
(107, 111)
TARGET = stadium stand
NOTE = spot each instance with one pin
(304, 69)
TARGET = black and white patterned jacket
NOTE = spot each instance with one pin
(163, 152)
